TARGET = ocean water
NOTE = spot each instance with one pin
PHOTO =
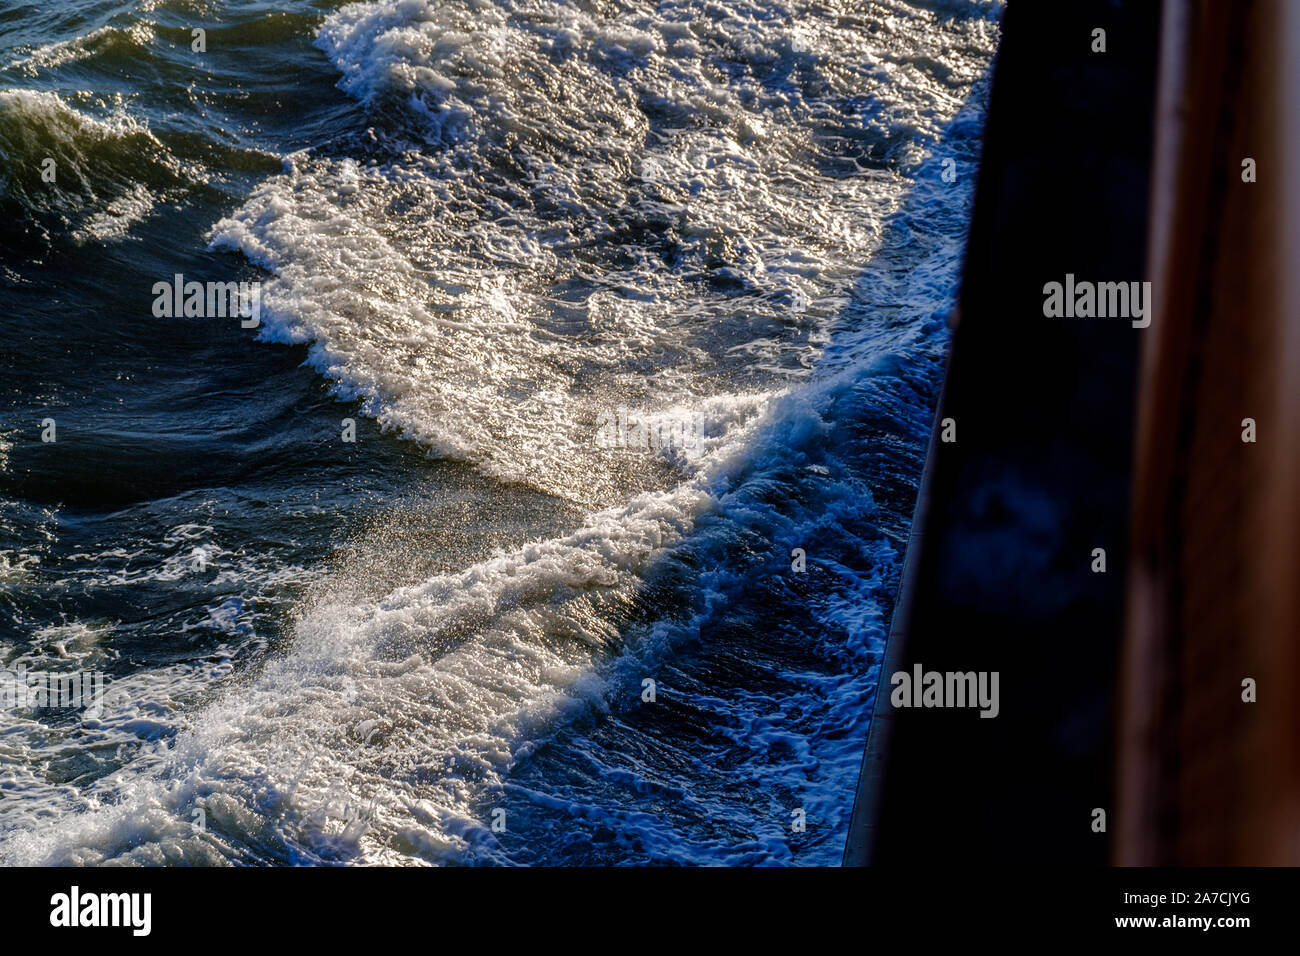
(626, 302)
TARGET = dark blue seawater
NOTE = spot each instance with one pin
(626, 302)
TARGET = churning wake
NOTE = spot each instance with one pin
(677, 269)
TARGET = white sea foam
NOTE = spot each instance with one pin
(567, 209)
(503, 272)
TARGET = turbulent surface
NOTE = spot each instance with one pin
(493, 232)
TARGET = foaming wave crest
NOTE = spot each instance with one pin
(564, 208)
(385, 719)
(107, 173)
